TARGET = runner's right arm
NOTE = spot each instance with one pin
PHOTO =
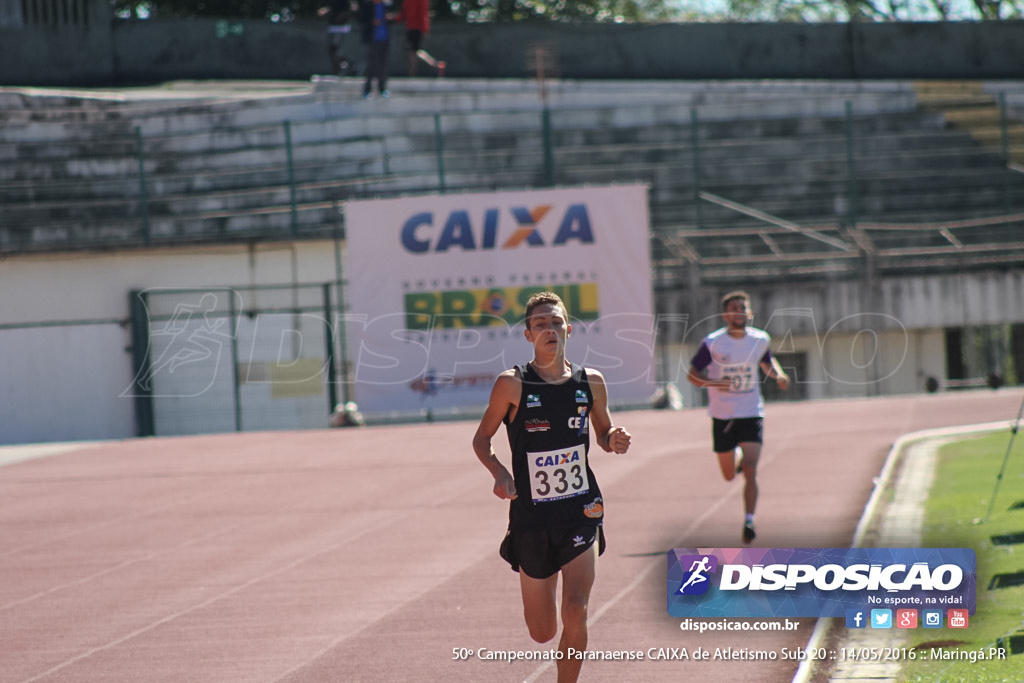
(504, 397)
(698, 371)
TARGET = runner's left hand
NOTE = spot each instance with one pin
(618, 440)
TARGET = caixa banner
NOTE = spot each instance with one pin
(817, 582)
(438, 286)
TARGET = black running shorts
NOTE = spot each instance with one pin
(413, 40)
(542, 553)
(727, 434)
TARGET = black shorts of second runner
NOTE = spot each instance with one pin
(540, 554)
(727, 434)
(413, 39)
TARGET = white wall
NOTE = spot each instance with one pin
(67, 382)
(842, 365)
(838, 324)
(62, 384)
(931, 301)
(76, 286)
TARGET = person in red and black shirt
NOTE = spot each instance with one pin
(416, 15)
(550, 406)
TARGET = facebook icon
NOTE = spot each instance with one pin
(855, 618)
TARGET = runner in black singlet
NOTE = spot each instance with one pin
(550, 407)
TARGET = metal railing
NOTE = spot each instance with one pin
(749, 197)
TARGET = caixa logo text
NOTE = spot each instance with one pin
(557, 459)
(830, 577)
(424, 232)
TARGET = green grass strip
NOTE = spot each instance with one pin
(966, 476)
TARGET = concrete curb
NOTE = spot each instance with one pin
(886, 480)
(12, 454)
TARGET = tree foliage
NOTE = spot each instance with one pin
(874, 10)
(464, 10)
(608, 10)
(275, 10)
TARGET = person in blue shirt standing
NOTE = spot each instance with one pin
(376, 17)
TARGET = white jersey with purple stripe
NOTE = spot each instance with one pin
(735, 359)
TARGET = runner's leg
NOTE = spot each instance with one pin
(539, 607)
(727, 463)
(751, 454)
(578, 578)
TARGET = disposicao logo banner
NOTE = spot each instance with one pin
(817, 582)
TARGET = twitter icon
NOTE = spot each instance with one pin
(881, 618)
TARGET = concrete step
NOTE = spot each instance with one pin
(946, 194)
(762, 164)
(354, 154)
(313, 220)
(31, 114)
(216, 165)
(974, 107)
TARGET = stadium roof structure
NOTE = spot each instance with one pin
(773, 248)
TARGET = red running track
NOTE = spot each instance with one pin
(370, 555)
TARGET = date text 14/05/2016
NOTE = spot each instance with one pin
(661, 654)
(884, 654)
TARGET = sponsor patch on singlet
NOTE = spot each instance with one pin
(558, 474)
(537, 425)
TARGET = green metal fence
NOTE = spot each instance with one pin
(237, 359)
(845, 193)
(743, 192)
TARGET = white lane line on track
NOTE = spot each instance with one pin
(394, 516)
(640, 578)
(12, 454)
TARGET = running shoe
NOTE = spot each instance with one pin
(748, 532)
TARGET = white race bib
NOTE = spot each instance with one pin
(558, 474)
(743, 377)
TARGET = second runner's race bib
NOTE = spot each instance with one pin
(742, 375)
